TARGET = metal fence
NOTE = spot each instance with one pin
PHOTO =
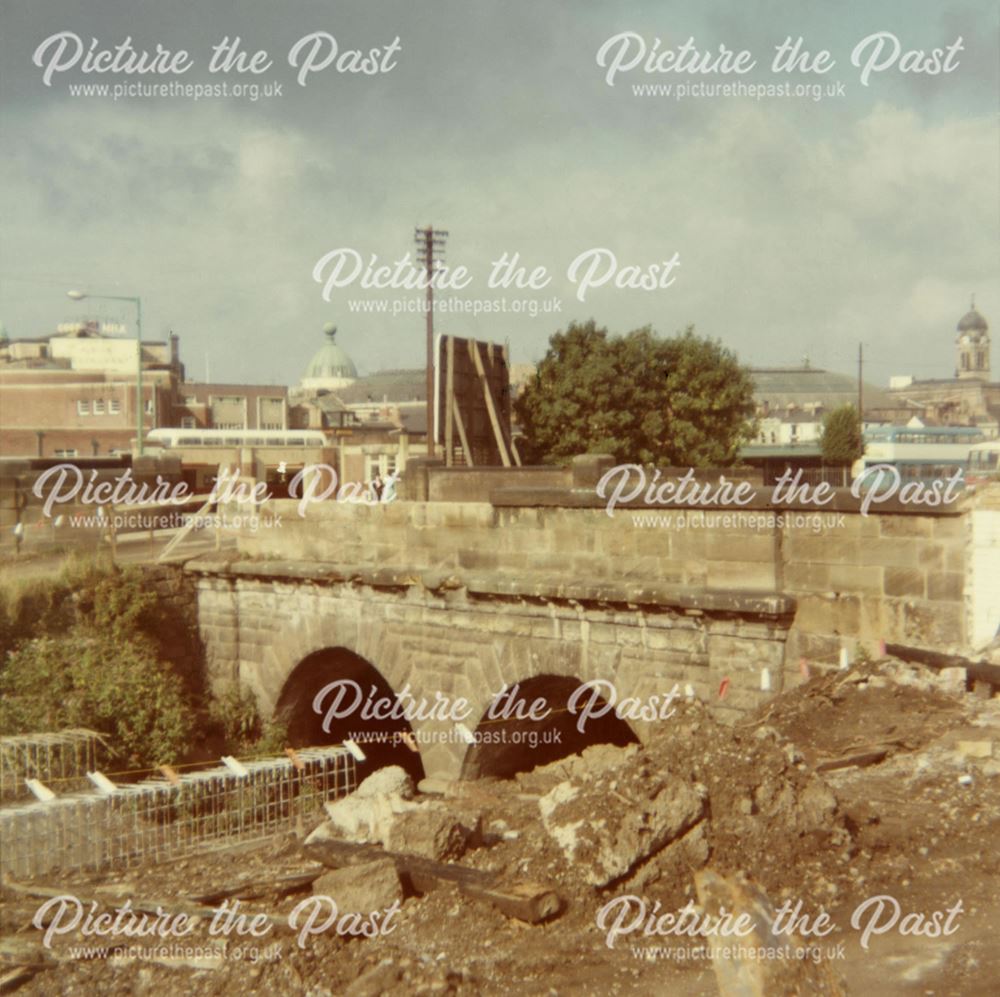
(61, 758)
(156, 820)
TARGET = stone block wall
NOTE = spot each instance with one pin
(261, 619)
(894, 577)
(856, 579)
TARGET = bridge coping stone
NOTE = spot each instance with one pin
(649, 592)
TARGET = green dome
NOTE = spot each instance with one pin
(330, 361)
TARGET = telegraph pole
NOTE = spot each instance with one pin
(430, 245)
(861, 390)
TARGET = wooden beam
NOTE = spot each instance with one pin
(859, 759)
(980, 670)
(449, 406)
(506, 366)
(490, 406)
(526, 901)
(466, 449)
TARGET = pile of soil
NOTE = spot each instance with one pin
(883, 703)
(919, 824)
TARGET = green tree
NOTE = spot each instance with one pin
(683, 401)
(97, 648)
(96, 680)
(842, 442)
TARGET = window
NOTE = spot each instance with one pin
(82, 408)
(114, 406)
(98, 406)
(187, 422)
(66, 453)
(383, 464)
(149, 406)
(272, 425)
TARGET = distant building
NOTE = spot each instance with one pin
(73, 394)
(791, 404)
(330, 368)
(230, 406)
(973, 344)
(970, 397)
(377, 421)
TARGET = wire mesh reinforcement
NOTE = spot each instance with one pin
(156, 820)
(60, 759)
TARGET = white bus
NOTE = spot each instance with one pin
(281, 438)
(984, 462)
(923, 453)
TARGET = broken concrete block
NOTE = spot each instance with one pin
(982, 689)
(605, 840)
(390, 781)
(739, 975)
(975, 749)
(952, 680)
(365, 820)
(438, 787)
(431, 831)
(361, 889)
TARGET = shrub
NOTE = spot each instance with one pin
(117, 688)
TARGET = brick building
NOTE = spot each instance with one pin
(73, 394)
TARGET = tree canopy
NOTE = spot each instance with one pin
(842, 441)
(684, 401)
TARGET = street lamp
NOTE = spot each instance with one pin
(79, 296)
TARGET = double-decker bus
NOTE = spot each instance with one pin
(924, 454)
(983, 463)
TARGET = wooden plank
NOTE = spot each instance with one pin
(490, 406)
(449, 406)
(505, 360)
(530, 902)
(255, 888)
(981, 670)
(859, 759)
(466, 449)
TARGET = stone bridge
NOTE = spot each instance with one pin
(288, 629)
(537, 590)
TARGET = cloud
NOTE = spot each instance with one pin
(802, 227)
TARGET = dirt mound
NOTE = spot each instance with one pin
(646, 818)
(699, 796)
(886, 703)
(767, 814)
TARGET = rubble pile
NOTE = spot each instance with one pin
(881, 777)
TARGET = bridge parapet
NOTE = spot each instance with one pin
(896, 574)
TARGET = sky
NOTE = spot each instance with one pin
(801, 228)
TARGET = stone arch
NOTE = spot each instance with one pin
(324, 699)
(532, 725)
